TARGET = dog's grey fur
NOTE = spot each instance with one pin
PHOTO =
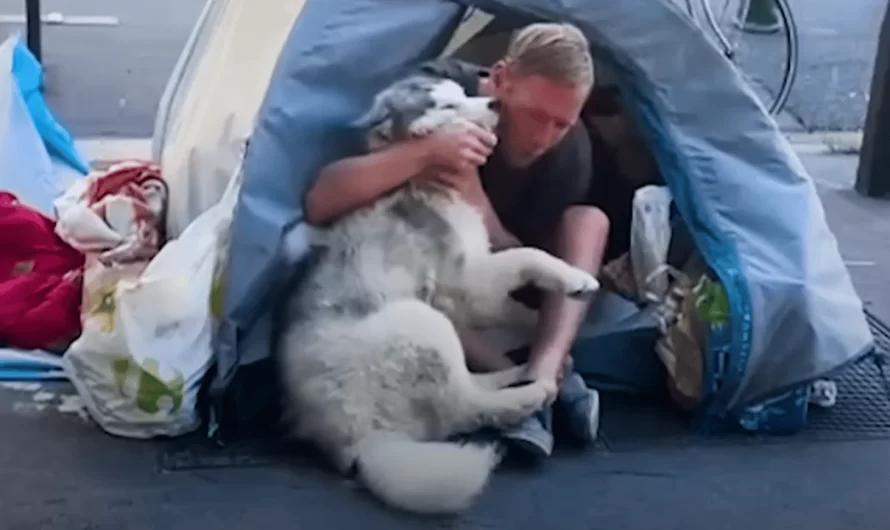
(373, 368)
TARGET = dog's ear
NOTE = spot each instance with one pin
(377, 114)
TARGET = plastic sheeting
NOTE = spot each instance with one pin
(29, 74)
(751, 207)
(38, 160)
(212, 100)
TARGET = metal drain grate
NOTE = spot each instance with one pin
(862, 412)
(881, 332)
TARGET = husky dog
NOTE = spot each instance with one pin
(374, 373)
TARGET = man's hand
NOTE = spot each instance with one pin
(459, 150)
(452, 162)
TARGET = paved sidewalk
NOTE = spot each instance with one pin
(861, 225)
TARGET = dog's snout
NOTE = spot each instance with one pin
(494, 105)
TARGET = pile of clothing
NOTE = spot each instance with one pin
(108, 218)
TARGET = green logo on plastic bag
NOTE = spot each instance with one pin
(711, 302)
(151, 389)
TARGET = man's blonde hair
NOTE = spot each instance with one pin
(557, 51)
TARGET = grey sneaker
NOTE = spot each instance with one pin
(533, 438)
(580, 406)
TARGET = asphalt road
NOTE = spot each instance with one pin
(838, 42)
(108, 80)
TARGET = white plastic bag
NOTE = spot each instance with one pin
(650, 237)
(140, 379)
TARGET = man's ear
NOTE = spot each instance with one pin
(498, 73)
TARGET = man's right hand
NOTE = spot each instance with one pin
(459, 150)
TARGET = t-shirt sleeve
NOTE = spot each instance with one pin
(564, 180)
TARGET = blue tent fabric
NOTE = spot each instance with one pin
(748, 203)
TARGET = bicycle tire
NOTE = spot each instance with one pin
(791, 58)
(791, 47)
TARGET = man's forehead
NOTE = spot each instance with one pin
(561, 102)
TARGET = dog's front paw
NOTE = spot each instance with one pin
(580, 284)
(550, 388)
(541, 393)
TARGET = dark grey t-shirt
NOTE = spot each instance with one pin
(529, 201)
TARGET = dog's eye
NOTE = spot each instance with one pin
(449, 106)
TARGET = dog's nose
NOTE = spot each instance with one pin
(494, 105)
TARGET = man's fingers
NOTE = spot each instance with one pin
(480, 150)
(472, 156)
(486, 137)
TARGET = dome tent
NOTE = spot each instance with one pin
(752, 210)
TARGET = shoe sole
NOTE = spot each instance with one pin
(593, 418)
(529, 447)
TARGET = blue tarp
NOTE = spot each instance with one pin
(38, 158)
(29, 74)
(35, 153)
(749, 204)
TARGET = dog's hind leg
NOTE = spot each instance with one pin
(489, 280)
(437, 370)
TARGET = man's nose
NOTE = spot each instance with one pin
(544, 137)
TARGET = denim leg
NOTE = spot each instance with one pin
(579, 406)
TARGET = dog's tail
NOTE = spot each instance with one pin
(425, 477)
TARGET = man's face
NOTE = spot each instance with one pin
(536, 113)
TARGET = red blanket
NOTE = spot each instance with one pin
(40, 280)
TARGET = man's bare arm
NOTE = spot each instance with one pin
(500, 237)
(481, 356)
(350, 183)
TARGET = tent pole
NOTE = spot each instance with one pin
(873, 174)
(33, 29)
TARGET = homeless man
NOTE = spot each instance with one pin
(529, 182)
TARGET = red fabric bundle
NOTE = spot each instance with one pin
(40, 280)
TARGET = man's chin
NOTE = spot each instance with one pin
(521, 161)
(526, 161)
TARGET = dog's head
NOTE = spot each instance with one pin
(421, 105)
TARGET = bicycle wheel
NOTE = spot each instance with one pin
(760, 38)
